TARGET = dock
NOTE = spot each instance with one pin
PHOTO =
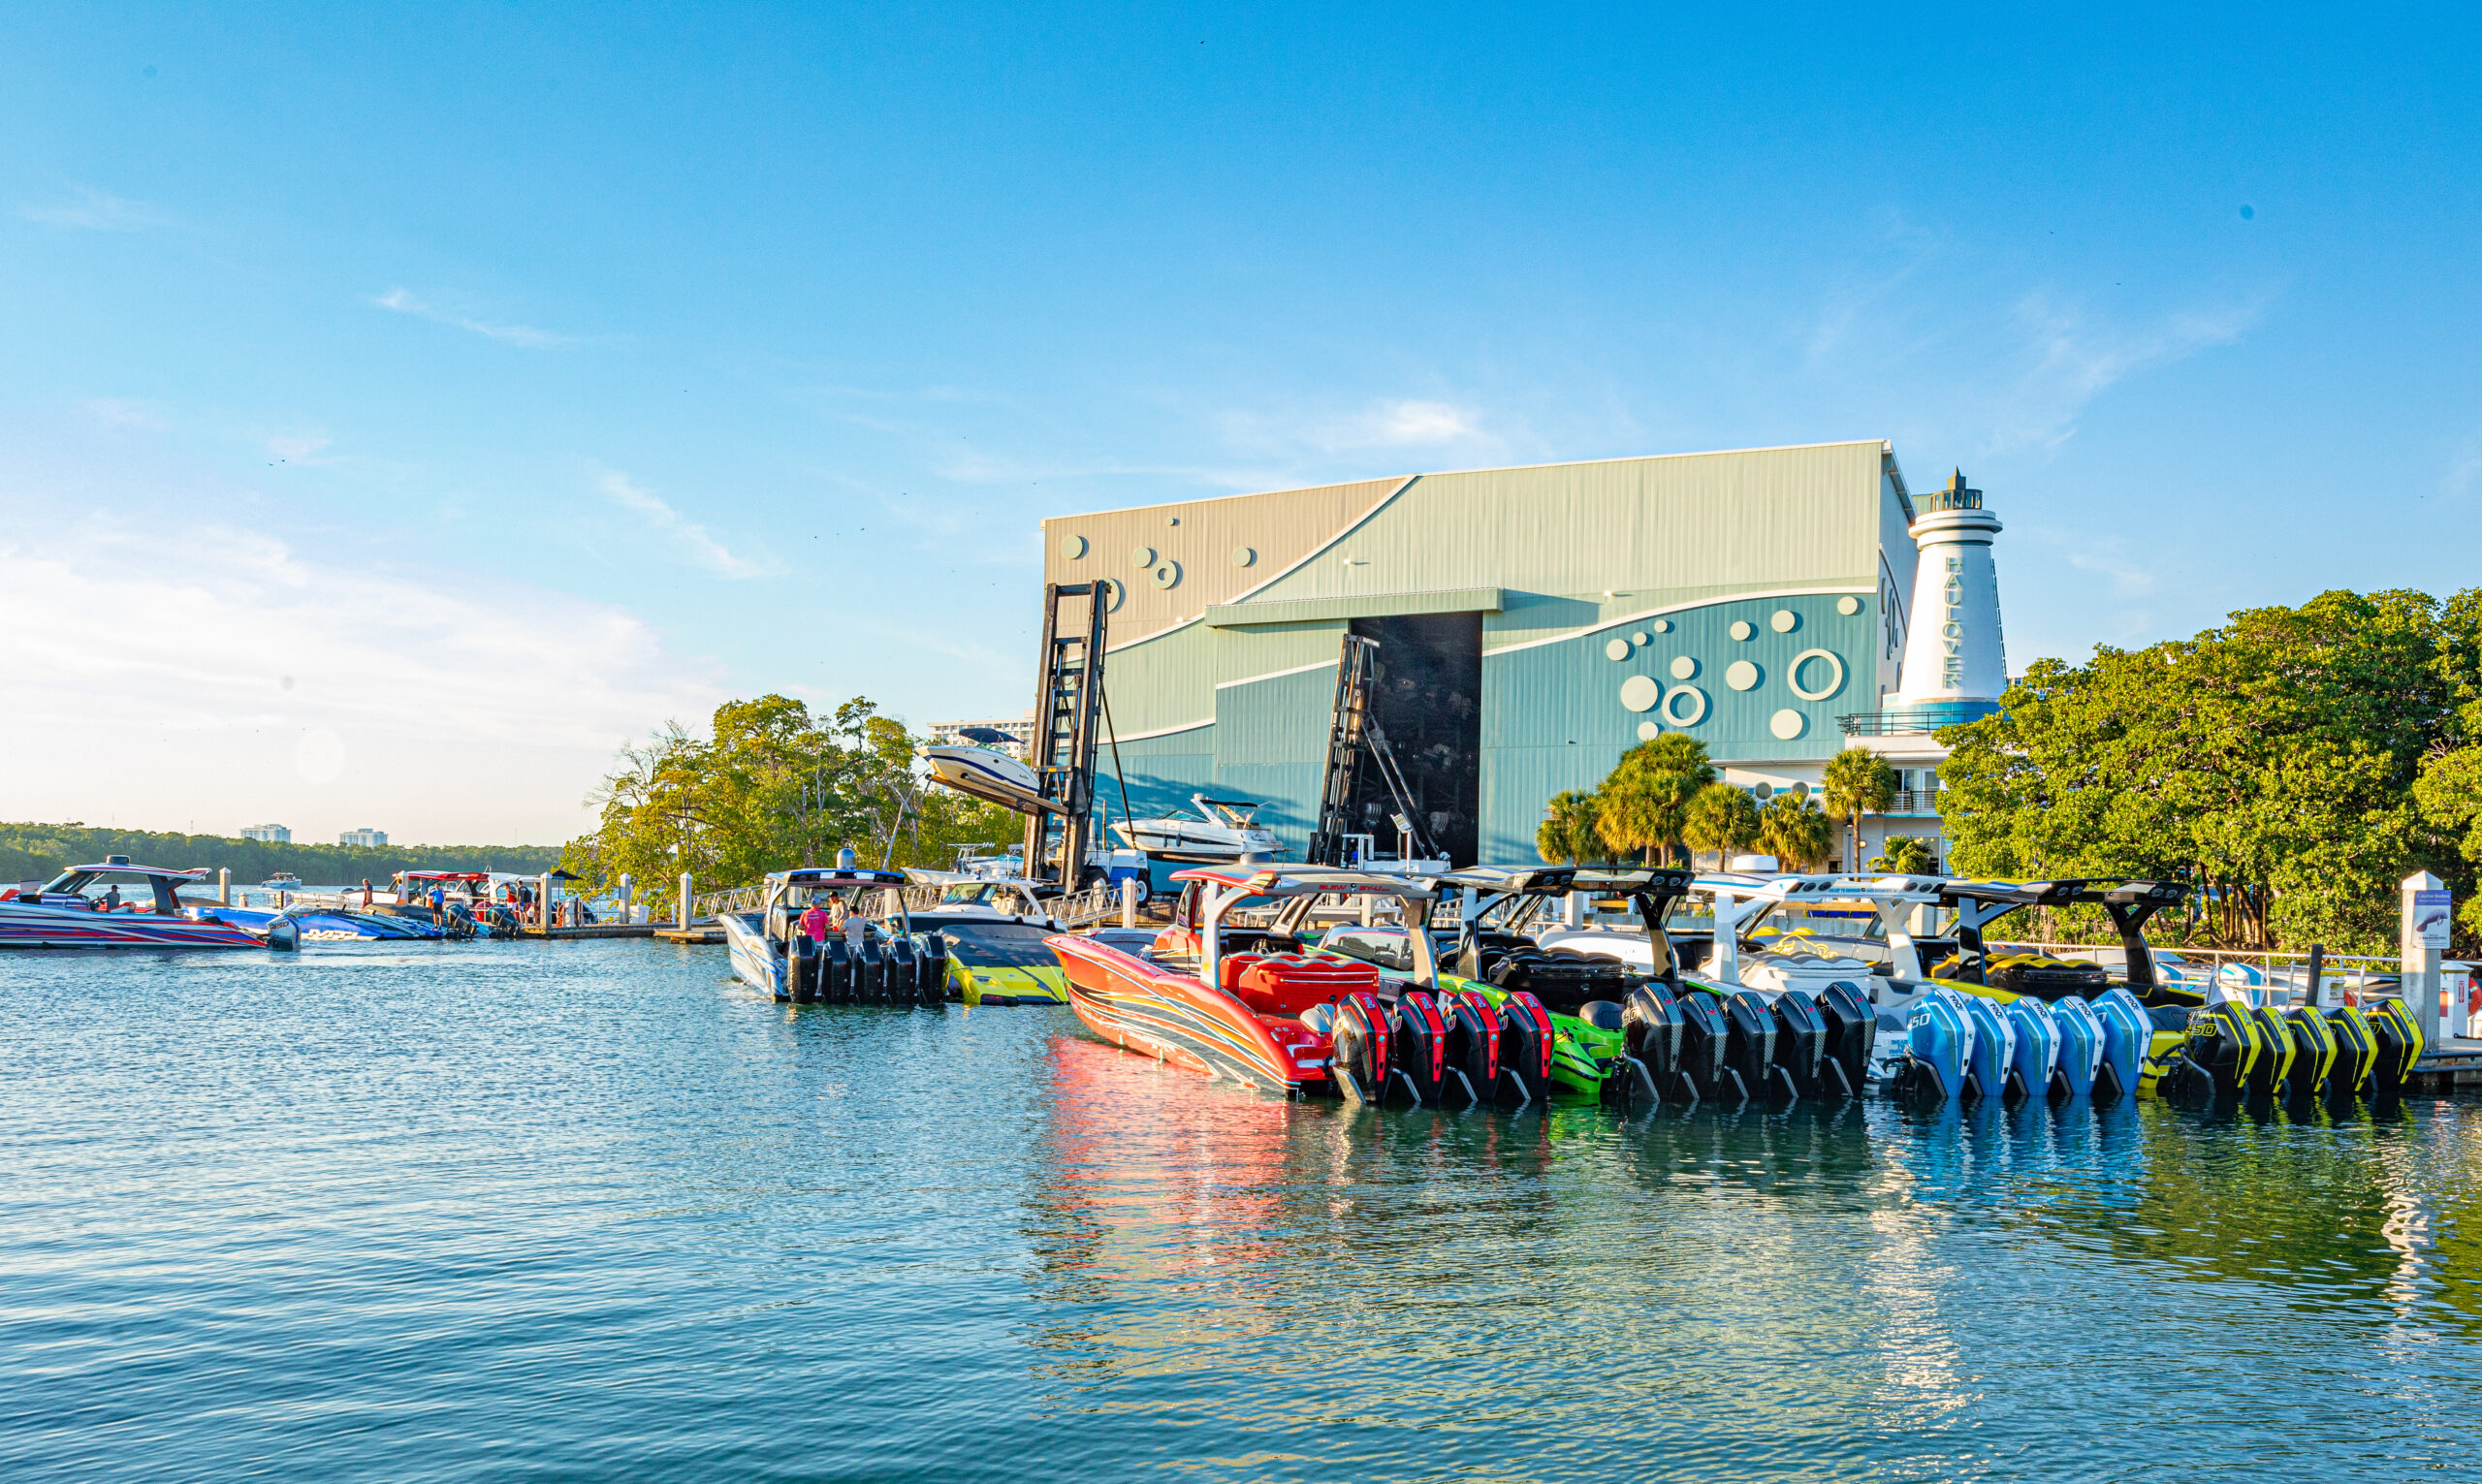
(2452, 1062)
(590, 930)
(695, 933)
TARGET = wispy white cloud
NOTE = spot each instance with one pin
(93, 210)
(117, 412)
(1387, 423)
(402, 302)
(2067, 361)
(692, 537)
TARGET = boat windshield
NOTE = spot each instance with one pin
(132, 891)
(1000, 945)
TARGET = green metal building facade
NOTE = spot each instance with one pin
(1535, 623)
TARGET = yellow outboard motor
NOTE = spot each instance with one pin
(2273, 1071)
(2399, 1038)
(2219, 1054)
(2356, 1050)
(2313, 1050)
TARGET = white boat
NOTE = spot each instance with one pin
(987, 773)
(1224, 830)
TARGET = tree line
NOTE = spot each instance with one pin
(1665, 796)
(773, 785)
(31, 851)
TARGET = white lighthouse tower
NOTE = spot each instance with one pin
(1956, 664)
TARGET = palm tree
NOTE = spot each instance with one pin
(1722, 818)
(1857, 783)
(1903, 855)
(1791, 829)
(1645, 801)
(1569, 835)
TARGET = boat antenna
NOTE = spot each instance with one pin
(1127, 817)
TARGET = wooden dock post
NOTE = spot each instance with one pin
(684, 923)
(1129, 901)
(224, 886)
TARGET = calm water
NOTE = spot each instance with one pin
(589, 1211)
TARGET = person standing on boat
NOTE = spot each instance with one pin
(814, 922)
(439, 905)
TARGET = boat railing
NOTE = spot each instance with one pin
(1081, 909)
(709, 905)
(2278, 980)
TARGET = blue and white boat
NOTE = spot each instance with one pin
(115, 904)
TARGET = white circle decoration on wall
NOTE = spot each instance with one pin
(1618, 648)
(1848, 604)
(1243, 556)
(1690, 698)
(1113, 592)
(1836, 681)
(1683, 667)
(1784, 620)
(1639, 693)
(1142, 557)
(1167, 575)
(1788, 724)
(1072, 546)
(1648, 731)
(1639, 639)
(1741, 629)
(1741, 675)
(1662, 625)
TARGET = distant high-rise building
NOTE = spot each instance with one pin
(366, 838)
(268, 834)
(1020, 731)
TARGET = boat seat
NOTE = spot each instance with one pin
(1287, 984)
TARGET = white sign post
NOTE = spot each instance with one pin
(2426, 917)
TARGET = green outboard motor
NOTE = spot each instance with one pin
(1652, 1025)
(931, 989)
(2219, 1055)
(2356, 1053)
(800, 967)
(2313, 1051)
(1852, 1033)
(2399, 1038)
(2273, 1072)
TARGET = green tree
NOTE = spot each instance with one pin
(1645, 802)
(1793, 830)
(1567, 833)
(1723, 818)
(1903, 855)
(1857, 783)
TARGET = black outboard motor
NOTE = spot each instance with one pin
(836, 971)
(1751, 1051)
(801, 967)
(871, 972)
(1801, 1048)
(1652, 1025)
(1417, 1048)
(1525, 1051)
(1705, 1049)
(901, 969)
(931, 989)
(1852, 1035)
(1473, 1046)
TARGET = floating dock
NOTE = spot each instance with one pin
(590, 930)
(695, 933)
(2453, 1062)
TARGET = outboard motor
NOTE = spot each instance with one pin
(931, 989)
(1751, 1052)
(1417, 1048)
(871, 972)
(284, 934)
(1994, 1047)
(1801, 1045)
(1705, 1049)
(2219, 1054)
(1852, 1029)
(1939, 1045)
(1651, 1025)
(1358, 1026)
(2128, 1035)
(2081, 1048)
(801, 969)
(1525, 1050)
(2034, 1062)
(901, 969)
(2356, 1052)
(1472, 1044)
(2399, 1045)
(836, 971)
(2273, 1071)
(2313, 1051)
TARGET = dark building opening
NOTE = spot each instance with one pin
(1428, 698)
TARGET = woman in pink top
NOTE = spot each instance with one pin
(814, 922)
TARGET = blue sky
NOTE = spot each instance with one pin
(397, 410)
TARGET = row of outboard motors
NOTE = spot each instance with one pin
(890, 969)
(1697, 1046)
(2234, 1050)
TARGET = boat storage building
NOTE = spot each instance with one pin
(1534, 624)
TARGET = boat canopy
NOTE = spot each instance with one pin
(119, 864)
(1560, 880)
(836, 875)
(1310, 881)
(448, 875)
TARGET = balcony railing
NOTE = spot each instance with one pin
(1928, 716)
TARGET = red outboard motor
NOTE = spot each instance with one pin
(1525, 1050)
(1653, 1023)
(836, 971)
(1360, 1027)
(1705, 1049)
(1801, 1048)
(1418, 1050)
(1852, 1032)
(1473, 1046)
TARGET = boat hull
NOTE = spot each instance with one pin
(1174, 1018)
(987, 775)
(28, 927)
(754, 962)
(1197, 844)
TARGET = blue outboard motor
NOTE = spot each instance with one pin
(1939, 1047)
(2128, 1034)
(2037, 1056)
(2081, 1047)
(1994, 1046)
